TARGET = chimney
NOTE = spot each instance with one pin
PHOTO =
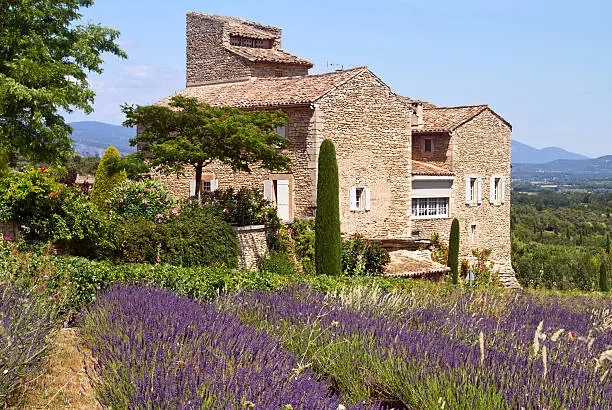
(417, 117)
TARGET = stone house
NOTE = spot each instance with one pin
(406, 168)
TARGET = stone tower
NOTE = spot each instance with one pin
(221, 49)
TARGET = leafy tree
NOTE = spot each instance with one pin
(106, 178)
(328, 240)
(189, 133)
(603, 278)
(44, 60)
(453, 251)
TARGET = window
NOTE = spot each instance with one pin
(206, 186)
(250, 42)
(278, 193)
(473, 190)
(423, 208)
(498, 190)
(473, 233)
(428, 145)
(359, 199)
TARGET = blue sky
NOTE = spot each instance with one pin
(545, 66)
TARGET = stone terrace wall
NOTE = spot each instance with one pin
(252, 245)
(370, 127)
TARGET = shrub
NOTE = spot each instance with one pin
(363, 257)
(328, 242)
(603, 278)
(199, 237)
(106, 178)
(242, 207)
(277, 263)
(440, 249)
(149, 200)
(453, 251)
(303, 233)
(47, 210)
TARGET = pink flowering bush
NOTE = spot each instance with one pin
(363, 257)
(149, 200)
(242, 207)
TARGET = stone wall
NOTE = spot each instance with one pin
(252, 245)
(442, 151)
(9, 229)
(207, 59)
(370, 127)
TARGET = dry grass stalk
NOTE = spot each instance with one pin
(482, 347)
(65, 385)
(545, 360)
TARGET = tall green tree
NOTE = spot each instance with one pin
(189, 133)
(107, 178)
(453, 251)
(328, 240)
(45, 56)
(603, 277)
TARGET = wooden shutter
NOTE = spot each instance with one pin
(367, 198)
(353, 198)
(214, 185)
(503, 190)
(268, 190)
(282, 200)
(492, 190)
(468, 191)
(479, 188)
(192, 184)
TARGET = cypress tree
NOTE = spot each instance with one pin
(106, 180)
(608, 244)
(328, 242)
(603, 278)
(453, 251)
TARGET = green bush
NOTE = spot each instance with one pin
(328, 240)
(195, 237)
(147, 199)
(49, 211)
(303, 233)
(242, 207)
(106, 178)
(453, 251)
(277, 263)
(363, 257)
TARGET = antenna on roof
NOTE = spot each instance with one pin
(336, 67)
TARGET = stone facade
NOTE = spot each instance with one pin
(252, 245)
(380, 139)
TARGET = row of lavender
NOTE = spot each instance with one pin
(482, 352)
(25, 323)
(154, 349)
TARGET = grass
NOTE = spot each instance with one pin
(65, 385)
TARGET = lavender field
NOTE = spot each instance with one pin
(364, 348)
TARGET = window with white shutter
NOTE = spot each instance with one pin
(192, 186)
(479, 185)
(503, 190)
(360, 198)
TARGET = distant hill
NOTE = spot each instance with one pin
(566, 169)
(524, 154)
(91, 138)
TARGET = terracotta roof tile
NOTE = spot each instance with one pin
(269, 91)
(408, 265)
(424, 168)
(252, 32)
(268, 55)
(447, 119)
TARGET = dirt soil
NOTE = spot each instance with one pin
(65, 385)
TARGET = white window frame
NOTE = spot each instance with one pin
(473, 190)
(497, 194)
(359, 198)
(430, 208)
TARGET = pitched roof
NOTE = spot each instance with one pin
(269, 91)
(267, 55)
(413, 265)
(241, 29)
(447, 119)
(424, 168)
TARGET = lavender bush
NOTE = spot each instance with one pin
(467, 350)
(25, 322)
(158, 350)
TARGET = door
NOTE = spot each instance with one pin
(282, 199)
